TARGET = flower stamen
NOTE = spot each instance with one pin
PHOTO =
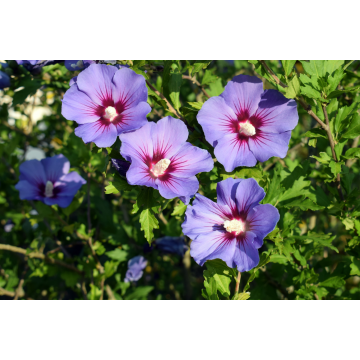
(160, 167)
(234, 225)
(110, 113)
(246, 128)
(49, 187)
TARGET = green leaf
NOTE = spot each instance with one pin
(288, 66)
(208, 78)
(117, 254)
(338, 93)
(342, 115)
(148, 223)
(200, 65)
(323, 159)
(179, 209)
(315, 133)
(196, 105)
(264, 259)
(306, 204)
(76, 203)
(352, 153)
(335, 167)
(117, 185)
(348, 223)
(241, 296)
(314, 68)
(275, 188)
(294, 88)
(355, 268)
(333, 282)
(174, 88)
(140, 293)
(354, 129)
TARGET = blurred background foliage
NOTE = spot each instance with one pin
(81, 252)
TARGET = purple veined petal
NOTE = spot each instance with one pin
(176, 187)
(139, 174)
(102, 134)
(128, 88)
(215, 245)
(69, 184)
(138, 144)
(217, 119)
(246, 256)
(133, 118)
(55, 167)
(77, 106)
(28, 191)
(204, 216)
(33, 171)
(73, 81)
(265, 145)
(276, 113)
(248, 195)
(168, 136)
(189, 161)
(243, 94)
(226, 193)
(233, 151)
(63, 201)
(96, 82)
(262, 221)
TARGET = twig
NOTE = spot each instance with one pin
(237, 285)
(170, 107)
(41, 256)
(19, 292)
(332, 145)
(193, 79)
(6, 293)
(109, 292)
(277, 80)
(351, 162)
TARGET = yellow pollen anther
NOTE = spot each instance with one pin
(247, 129)
(49, 187)
(160, 167)
(110, 113)
(234, 225)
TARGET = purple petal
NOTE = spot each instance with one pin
(133, 118)
(73, 80)
(55, 167)
(138, 174)
(96, 82)
(226, 193)
(243, 94)
(265, 145)
(101, 133)
(63, 201)
(28, 191)
(246, 256)
(276, 113)
(248, 194)
(233, 151)
(138, 144)
(216, 119)
(168, 136)
(128, 88)
(69, 184)
(32, 171)
(77, 106)
(189, 161)
(176, 187)
(214, 245)
(262, 221)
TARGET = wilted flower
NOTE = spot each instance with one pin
(246, 124)
(136, 266)
(75, 65)
(106, 102)
(232, 229)
(161, 158)
(121, 166)
(170, 244)
(49, 181)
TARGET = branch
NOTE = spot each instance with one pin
(351, 162)
(41, 256)
(237, 285)
(273, 75)
(6, 293)
(170, 107)
(193, 79)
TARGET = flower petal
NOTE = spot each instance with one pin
(138, 174)
(246, 256)
(69, 184)
(28, 191)
(168, 136)
(33, 171)
(55, 167)
(262, 221)
(216, 119)
(189, 161)
(276, 113)
(63, 201)
(243, 94)
(101, 133)
(233, 151)
(138, 144)
(175, 187)
(226, 193)
(248, 195)
(128, 88)
(96, 82)
(265, 145)
(133, 118)
(77, 106)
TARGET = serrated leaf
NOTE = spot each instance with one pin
(179, 209)
(241, 296)
(348, 223)
(315, 133)
(140, 292)
(306, 204)
(335, 167)
(323, 159)
(117, 254)
(293, 89)
(354, 128)
(117, 185)
(208, 78)
(333, 282)
(148, 223)
(196, 105)
(352, 153)
(288, 66)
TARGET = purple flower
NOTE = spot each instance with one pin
(136, 266)
(49, 181)
(246, 124)
(106, 102)
(4, 80)
(232, 229)
(75, 65)
(161, 158)
(121, 166)
(170, 244)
